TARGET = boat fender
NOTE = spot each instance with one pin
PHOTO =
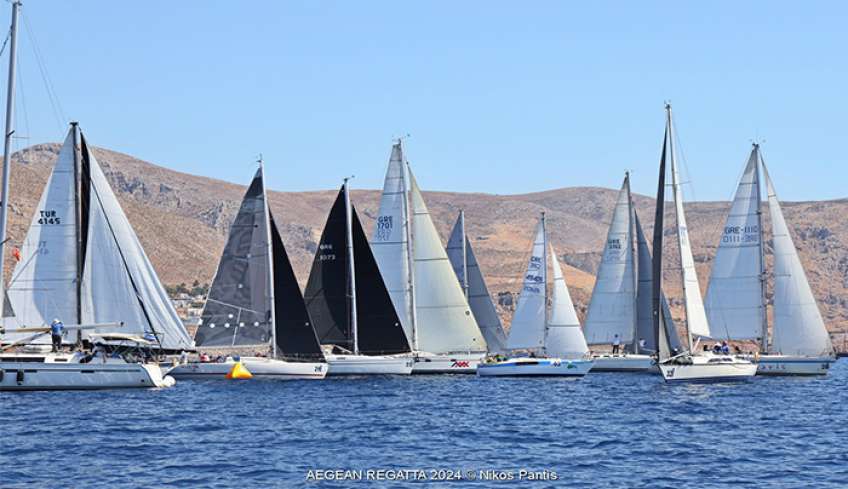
(239, 372)
(20, 377)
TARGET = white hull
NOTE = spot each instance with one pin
(793, 365)
(369, 365)
(535, 367)
(68, 374)
(709, 368)
(623, 363)
(451, 363)
(260, 368)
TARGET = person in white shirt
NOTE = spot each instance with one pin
(616, 344)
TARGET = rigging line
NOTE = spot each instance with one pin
(22, 97)
(56, 105)
(6, 41)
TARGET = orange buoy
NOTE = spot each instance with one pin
(239, 372)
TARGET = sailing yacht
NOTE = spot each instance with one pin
(361, 333)
(470, 277)
(426, 294)
(255, 300)
(690, 365)
(736, 296)
(613, 310)
(554, 342)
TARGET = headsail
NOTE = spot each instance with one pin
(390, 239)
(238, 305)
(564, 338)
(734, 301)
(527, 330)
(119, 282)
(611, 310)
(696, 316)
(443, 318)
(798, 325)
(661, 338)
(44, 282)
(379, 328)
(467, 269)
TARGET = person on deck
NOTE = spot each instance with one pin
(725, 348)
(717, 348)
(642, 344)
(616, 344)
(56, 329)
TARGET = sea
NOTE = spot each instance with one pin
(605, 430)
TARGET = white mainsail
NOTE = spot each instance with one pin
(612, 308)
(389, 242)
(44, 282)
(734, 301)
(696, 316)
(564, 338)
(798, 325)
(119, 282)
(443, 320)
(467, 270)
(527, 330)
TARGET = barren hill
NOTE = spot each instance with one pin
(182, 221)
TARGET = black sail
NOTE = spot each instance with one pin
(238, 306)
(295, 336)
(379, 329)
(661, 337)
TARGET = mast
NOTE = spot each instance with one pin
(464, 254)
(545, 274)
(270, 252)
(7, 144)
(764, 333)
(634, 262)
(675, 182)
(78, 224)
(410, 253)
(351, 269)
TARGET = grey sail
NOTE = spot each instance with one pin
(238, 307)
(645, 319)
(471, 279)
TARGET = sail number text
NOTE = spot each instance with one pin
(48, 217)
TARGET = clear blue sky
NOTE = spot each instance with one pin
(501, 97)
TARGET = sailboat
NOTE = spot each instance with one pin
(470, 277)
(432, 307)
(613, 310)
(689, 365)
(736, 296)
(554, 342)
(255, 300)
(361, 332)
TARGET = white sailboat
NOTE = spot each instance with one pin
(255, 300)
(361, 333)
(736, 296)
(689, 365)
(613, 310)
(554, 341)
(467, 270)
(81, 262)
(426, 294)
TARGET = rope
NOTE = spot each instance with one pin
(58, 113)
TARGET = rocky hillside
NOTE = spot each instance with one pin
(182, 221)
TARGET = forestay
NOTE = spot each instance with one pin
(529, 321)
(443, 318)
(238, 306)
(44, 282)
(467, 269)
(564, 337)
(734, 301)
(798, 325)
(611, 310)
(119, 282)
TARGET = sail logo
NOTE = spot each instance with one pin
(48, 217)
(460, 364)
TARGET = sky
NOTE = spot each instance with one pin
(497, 97)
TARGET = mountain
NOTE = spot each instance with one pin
(182, 220)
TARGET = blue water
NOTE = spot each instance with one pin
(606, 430)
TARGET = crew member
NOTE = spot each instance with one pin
(616, 344)
(56, 329)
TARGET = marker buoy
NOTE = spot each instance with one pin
(238, 372)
